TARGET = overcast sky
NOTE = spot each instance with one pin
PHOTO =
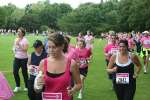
(22, 3)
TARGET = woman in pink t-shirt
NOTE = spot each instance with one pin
(21, 58)
(145, 42)
(89, 40)
(57, 70)
(71, 49)
(79, 37)
(131, 43)
(84, 55)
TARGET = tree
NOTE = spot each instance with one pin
(2, 17)
(89, 16)
(30, 22)
(51, 13)
(5, 14)
(14, 18)
(139, 15)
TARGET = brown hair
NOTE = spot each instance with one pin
(67, 38)
(59, 40)
(84, 44)
(22, 30)
(124, 42)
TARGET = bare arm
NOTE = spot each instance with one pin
(41, 66)
(136, 61)
(29, 60)
(76, 78)
(110, 68)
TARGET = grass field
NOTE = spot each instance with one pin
(97, 86)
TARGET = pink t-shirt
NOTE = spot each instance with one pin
(131, 43)
(71, 54)
(80, 38)
(110, 49)
(19, 52)
(83, 55)
(145, 41)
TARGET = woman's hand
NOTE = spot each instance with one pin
(17, 41)
(114, 69)
(135, 76)
(71, 91)
(40, 81)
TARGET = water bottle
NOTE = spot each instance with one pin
(39, 79)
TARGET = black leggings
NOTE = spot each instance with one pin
(31, 93)
(125, 92)
(138, 45)
(16, 66)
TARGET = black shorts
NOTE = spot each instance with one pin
(83, 71)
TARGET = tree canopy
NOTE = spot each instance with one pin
(118, 15)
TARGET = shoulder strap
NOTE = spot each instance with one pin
(68, 64)
(45, 65)
(116, 60)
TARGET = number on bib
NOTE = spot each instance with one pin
(122, 78)
(33, 70)
(51, 96)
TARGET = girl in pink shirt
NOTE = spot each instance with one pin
(109, 50)
(71, 49)
(145, 41)
(21, 57)
(79, 37)
(89, 39)
(84, 55)
(131, 43)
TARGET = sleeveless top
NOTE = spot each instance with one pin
(58, 84)
(125, 68)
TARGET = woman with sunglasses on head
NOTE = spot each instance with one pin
(125, 80)
(21, 45)
(57, 70)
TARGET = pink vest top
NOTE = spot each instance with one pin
(58, 84)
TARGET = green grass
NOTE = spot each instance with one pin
(97, 86)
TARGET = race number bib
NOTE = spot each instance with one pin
(83, 62)
(34, 70)
(122, 78)
(114, 51)
(146, 42)
(51, 96)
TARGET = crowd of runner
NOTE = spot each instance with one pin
(56, 69)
